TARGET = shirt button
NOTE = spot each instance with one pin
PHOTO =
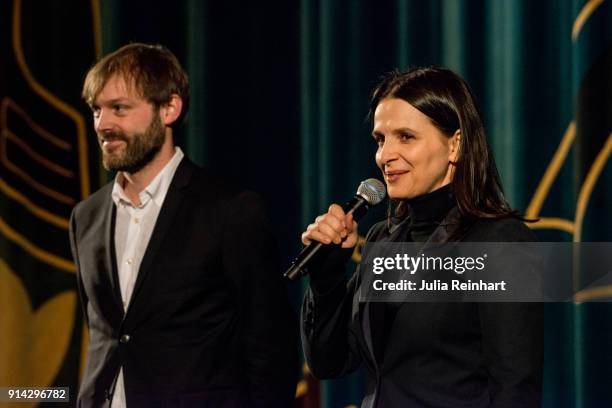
(129, 261)
(136, 220)
(124, 339)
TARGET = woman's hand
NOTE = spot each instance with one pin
(335, 226)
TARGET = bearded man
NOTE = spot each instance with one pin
(177, 270)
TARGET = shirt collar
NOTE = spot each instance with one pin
(157, 188)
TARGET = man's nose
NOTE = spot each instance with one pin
(103, 122)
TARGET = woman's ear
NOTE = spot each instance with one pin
(171, 111)
(454, 144)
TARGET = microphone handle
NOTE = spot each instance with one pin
(299, 267)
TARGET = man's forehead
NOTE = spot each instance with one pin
(118, 87)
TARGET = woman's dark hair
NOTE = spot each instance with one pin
(446, 100)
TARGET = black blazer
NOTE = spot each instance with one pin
(436, 354)
(208, 323)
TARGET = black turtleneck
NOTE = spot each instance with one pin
(425, 212)
(423, 215)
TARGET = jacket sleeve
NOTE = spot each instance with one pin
(330, 347)
(75, 258)
(329, 343)
(268, 325)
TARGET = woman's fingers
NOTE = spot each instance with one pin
(333, 227)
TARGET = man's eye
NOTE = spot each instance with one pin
(119, 108)
(380, 139)
(95, 111)
(406, 136)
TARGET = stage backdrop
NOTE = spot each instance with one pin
(280, 93)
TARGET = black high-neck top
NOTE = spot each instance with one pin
(424, 213)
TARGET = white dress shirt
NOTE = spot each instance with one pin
(133, 229)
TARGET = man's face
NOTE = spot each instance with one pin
(129, 128)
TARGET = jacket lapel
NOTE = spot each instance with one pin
(366, 309)
(446, 229)
(361, 313)
(109, 263)
(364, 312)
(441, 234)
(165, 219)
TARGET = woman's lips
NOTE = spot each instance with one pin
(393, 176)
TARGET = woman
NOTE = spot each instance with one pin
(443, 186)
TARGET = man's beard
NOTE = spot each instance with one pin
(140, 148)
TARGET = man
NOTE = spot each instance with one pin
(176, 269)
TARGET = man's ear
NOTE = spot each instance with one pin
(454, 143)
(171, 111)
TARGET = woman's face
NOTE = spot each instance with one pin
(413, 154)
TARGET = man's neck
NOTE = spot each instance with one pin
(134, 183)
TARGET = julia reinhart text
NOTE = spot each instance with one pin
(439, 286)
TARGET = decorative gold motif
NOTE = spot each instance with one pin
(583, 16)
(34, 343)
(38, 253)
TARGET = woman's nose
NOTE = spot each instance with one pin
(388, 152)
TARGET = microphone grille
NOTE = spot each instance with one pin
(372, 190)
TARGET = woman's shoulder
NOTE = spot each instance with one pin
(377, 231)
(507, 229)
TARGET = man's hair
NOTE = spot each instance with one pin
(150, 70)
(447, 101)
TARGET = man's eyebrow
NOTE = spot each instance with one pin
(117, 100)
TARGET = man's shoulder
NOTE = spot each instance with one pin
(378, 231)
(96, 201)
(215, 187)
(207, 181)
(228, 199)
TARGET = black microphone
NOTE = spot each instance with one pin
(370, 192)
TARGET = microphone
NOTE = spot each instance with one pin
(370, 192)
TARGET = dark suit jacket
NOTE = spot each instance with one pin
(208, 323)
(436, 354)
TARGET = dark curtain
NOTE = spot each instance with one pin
(280, 95)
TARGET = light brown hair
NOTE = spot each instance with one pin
(152, 70)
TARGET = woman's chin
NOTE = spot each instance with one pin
(400, 194)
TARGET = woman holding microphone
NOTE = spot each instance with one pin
(443, 186)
